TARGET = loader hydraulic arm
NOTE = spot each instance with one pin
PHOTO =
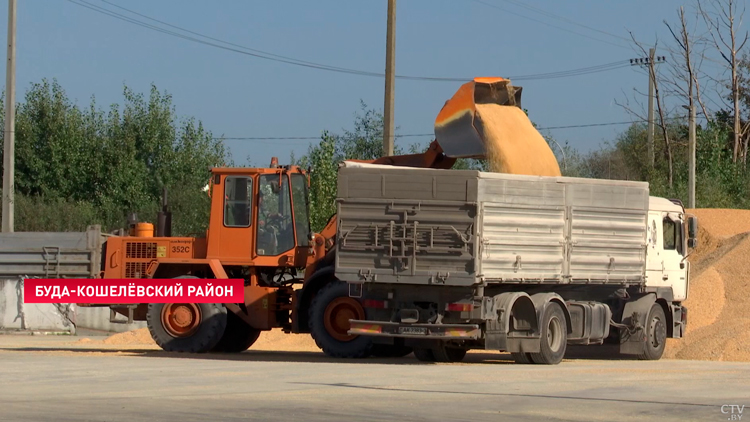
(433, 158)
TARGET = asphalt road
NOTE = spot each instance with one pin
(47, 379)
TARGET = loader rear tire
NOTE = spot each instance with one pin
(554, 336)
(424, 355)
(186, 327)
(237, 337)
(330, 312)
(656, 334)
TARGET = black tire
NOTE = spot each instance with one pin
(554, 338)
(356, 346)
(444, 353)
(522, 358)
(390, 350)
(237, 337)
(213, 321)
(656, 334)
(424, 355)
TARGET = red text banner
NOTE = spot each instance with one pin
(126, 291)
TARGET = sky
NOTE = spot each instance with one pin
(237, 95)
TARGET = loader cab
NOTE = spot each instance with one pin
(259, 216)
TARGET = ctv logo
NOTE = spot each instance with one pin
(733, 411)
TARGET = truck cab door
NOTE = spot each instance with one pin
(665, 264)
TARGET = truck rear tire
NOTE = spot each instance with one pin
(186, 327)
(330, 312)
(554, 338)
(656, 334)
(237, 337)
(522, 358)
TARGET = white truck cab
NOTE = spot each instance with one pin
(667, 247)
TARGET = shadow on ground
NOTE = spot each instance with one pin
(476, 357)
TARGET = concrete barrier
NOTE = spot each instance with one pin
(18, 316)
(15, 315)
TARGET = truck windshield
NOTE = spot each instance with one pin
(275, 229)
(301, 214)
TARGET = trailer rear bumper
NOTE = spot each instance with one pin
(419, 331)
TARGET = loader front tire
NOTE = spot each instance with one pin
(330, 312)
(390, 350)
(237, 337)
(424, 355)
(186, 327)
(444, 353)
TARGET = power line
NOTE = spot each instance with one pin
(564, 19)
(309, 138)
(240, 49)
(494, 6)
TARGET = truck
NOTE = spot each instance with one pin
(445, 261)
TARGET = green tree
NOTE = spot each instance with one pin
(100, 165)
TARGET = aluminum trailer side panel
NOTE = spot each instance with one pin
(562, 230)
(425, 226)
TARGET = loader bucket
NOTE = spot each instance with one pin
(484, 119)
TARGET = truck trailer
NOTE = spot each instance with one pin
(445, 261)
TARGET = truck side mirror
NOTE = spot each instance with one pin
(692, 224)
(692, 227)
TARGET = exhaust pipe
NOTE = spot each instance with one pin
(164, 218)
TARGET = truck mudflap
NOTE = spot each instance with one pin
(422, 331)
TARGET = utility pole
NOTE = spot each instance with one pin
(390, 80)
(691, 157)
(650, 61)
(10, 123)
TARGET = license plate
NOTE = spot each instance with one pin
(412, 330)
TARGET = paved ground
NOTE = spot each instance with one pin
(47, 378)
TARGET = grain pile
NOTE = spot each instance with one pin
(718, 322)
(513, 144)
(268, 340)
(277, 340)
(139, 337)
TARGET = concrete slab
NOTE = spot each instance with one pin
(47, 379)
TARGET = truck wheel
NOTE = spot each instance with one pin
(424, 355)
(237, 337)
(186, 327)
(656, 334)
(444, 353)
(330, 312)
(390, 350)
(523, 358)
(554, 336)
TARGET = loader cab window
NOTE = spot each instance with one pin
(238, 196)
(670, 234)
(275, 228)
(301, 207)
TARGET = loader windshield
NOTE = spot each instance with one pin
(275, 228)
